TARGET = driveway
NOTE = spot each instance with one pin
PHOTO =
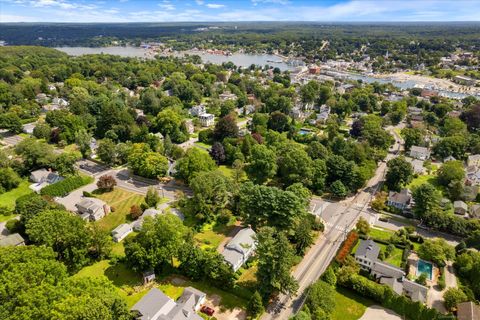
(435, 296)
(379, 313)
(10, 138)
(75, 196)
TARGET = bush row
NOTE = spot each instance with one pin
(64, 187)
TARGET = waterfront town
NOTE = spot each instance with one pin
(144, 181)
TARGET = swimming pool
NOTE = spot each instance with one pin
(424, 267)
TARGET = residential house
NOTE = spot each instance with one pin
(246, 110)
(227, 96)
(414, 110)
(475, 211)
(41, 98)
(416, 117)
(206, 119)
(92, 209)
(121, 232)
(460, 207)
(240, 248)
(387, 274)
(420, 153)
(12, 240)
(148, 276)
(366, 254)
(467, 81)
(29, 127)
(198, 110)
(417, 166)
(155, 305)
(449, 158)
(468, 311)
(473, 160)
(314, 69)
(150, 212)
(60, 101)
(400, 200)
(43, 178)
(324, 113)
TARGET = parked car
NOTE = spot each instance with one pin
(207, 310)
(383, 218)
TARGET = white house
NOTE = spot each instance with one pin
(42, 178)
(366, 254)
(198, 110)
(207, 119)
(240, 248)
(121, 232)
(473, 160)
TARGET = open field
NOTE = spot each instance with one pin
(210, 236)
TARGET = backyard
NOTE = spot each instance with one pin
(212, 235)
(349, 305)
(7, 199)
(120, 200)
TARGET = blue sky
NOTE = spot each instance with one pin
(239, 10)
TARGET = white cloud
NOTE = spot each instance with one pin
(166, 5)
(282, 2)
(215, 5)
(200, 2)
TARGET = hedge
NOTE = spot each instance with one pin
(389, 299)
(64, 187)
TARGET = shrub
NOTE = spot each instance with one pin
(349, 243)
(64, 187)
(87, 194)
(135, 212)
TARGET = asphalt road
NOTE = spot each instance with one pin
(339, 218)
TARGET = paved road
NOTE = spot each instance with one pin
(339, 217)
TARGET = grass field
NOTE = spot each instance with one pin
(212, 235)
(121, 200)
(426, 178)
(349, 305)
(203, 145)
(382, 234)
(7, 199)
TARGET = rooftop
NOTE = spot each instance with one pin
(369, 249)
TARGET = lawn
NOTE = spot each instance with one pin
(382, 234)
(211, 235)
(421, 179)
(121, 201)
(349, 305)
(395, 257)
(7, 199)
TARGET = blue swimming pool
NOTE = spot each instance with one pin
(424, 267)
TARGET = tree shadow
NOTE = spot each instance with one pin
(121, 275)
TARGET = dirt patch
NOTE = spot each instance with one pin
(213, 301)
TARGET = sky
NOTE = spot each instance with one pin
(237, 10)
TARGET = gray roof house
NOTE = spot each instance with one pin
(240, 248)
(367, 253)
(382, 269)
(468, 311)
(13, 240)
(400, 200)
(121, 232)
(92, 209)
(417, 165)
(43, 178)
(155, 305)
(475, 211)
(420, 153)
(460, 207)
(415, 291)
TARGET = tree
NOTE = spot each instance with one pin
(194, 161)
(261, 205)
(454, 146)
(399, 173)
(427, 199)
(362, 226)
(294, 165)
(329, 277)
(169, 122)
(278, 121)
(65, 164)
(146, 163)
(275, 259)
(11, 121)
(422, 279)
(157, 244)
(106, 183)
(211, 194)
(9, 179)
(83, 139)
(64, 232)
(101, 242)
(338, 189)
(226, 127)
(449, 172)
(321, 295)
(437, 250)
(106, 151)
(452, 297)
(42, 131)
(412, 137)
(472, 118)
(217, 152)
(262, 165)
(303, 235)
(255, 305)
(379, 203)
(35, 154)
(152, 198)
(135, 212)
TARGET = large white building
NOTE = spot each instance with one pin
(207, 119)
